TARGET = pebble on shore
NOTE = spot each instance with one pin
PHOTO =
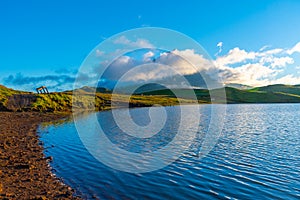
(24, 171)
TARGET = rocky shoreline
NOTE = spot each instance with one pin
(24, 170)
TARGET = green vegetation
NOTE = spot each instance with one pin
(267, 94)
(52, 102)
(202, 95)
(287, 89)
(85, 99)
(260, 96)
(12, 100)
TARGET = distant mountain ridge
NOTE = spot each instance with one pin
(288, 89)
(150, 94)
(88, 89)
(266, 94)
(238, 86)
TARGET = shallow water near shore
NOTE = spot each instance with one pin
(257, 156)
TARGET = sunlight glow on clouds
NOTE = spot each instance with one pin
(235, 55)
(260, 68)
(296, 48)
(255, 68)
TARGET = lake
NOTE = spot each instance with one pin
(257, 156)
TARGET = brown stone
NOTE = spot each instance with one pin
(24, 173)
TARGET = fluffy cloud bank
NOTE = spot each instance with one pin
(259, 68)
(255, 68)
(155, 65)
(59, 81)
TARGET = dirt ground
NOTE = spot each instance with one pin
(24, 170)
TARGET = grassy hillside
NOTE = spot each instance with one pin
(259, 96)
(13, 100)
(201, 94)
(268, 94)
(279, 88)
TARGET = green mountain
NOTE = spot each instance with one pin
(86, 98)
(267, 94)
(259, 95)
(88, 90)
(279, 88)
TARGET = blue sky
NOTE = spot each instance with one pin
(48, 40)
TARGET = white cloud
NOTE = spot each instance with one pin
(189, 62)
(139, 43)
(270, 52)
(194, 58)
(264, 47)
(288, 80)
(294, 49)
(276, 62)
(148, 56)
(99, 53)
(185, 62)
(281, 61)
(235, 55)
(255, 68)
(220, 45)
(123, 60)
(122, 40)
(175, 59)
(150, 72)
(179, 60)
(248, 74)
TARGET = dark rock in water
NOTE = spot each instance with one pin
(49, 158)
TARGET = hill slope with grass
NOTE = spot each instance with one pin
(279, 88)
(267, 94)
(87, 99)
(260, 96)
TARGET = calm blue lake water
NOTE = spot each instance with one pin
(256, 157)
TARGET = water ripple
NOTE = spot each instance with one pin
(257, 157)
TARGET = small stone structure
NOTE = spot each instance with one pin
(42, 90)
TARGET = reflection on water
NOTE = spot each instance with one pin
(257, 156)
